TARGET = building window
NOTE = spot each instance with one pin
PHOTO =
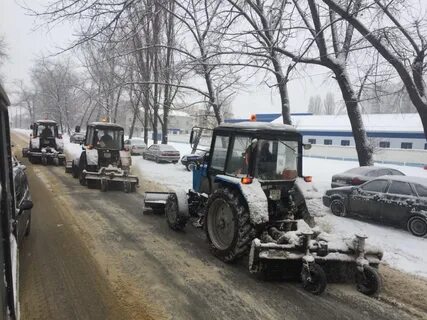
(345, 142)
(313, 141)
(327, 142)
(406, 145)
(425, 146)
(384, 144)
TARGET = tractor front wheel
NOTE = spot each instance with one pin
(175, 220)
(369, 281)
(313, 278)
(227, 224)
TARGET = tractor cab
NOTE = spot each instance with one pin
(104, 160)
(269, 153)
(47, 132)
(100, 135)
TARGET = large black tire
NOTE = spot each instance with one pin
(417, 225)
(82, 166)
(175, 221)
(44, 161)
(74, 171)
(369, 282)
(227, 224)
(157, 160)
(313, 280)
(338, 207)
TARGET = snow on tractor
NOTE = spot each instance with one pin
(250, 196)
(46, 144)
(104, 161)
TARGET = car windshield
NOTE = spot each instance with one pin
(109, 138)
(277, 160)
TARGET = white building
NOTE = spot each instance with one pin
(399, 131)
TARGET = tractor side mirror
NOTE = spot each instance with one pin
(307, 146)
(25, 205)
(77, 129)
(191, 136)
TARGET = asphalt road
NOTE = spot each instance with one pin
(94, 255)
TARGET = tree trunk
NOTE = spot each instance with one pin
(133, 124)
(282, 84)
(363, 147)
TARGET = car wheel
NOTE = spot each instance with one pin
(190, 166)
(417, 225)
(338, 208)
(157, 160)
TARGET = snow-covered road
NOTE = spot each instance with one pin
(401, 250)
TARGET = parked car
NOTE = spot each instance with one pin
(78, 137)
(135, 146)
(190, 161)
(396, 200)
(161, 152)
(359, 175)
(22, 194)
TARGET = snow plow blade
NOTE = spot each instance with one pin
(156, 200)
(110, 175)
(321, 251)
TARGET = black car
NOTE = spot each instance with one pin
(78, 137)
(359, 175)
(190, 161)
(22, 194)
(396, 200)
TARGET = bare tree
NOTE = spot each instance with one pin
(330, 46)
(404, 47)
(55, 91)
(329, 106)
(315, 104)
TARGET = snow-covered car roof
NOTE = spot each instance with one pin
(410, 179)
(167, 147)
(365, 169)
(252, 125)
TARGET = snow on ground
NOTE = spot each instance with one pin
(402, 250)
(173, 176)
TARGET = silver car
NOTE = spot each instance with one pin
(135, 146)
(161, 152)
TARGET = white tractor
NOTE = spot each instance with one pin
(46, 144)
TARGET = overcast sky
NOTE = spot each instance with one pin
(26, 42)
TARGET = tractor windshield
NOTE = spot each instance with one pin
(46, 131)
(108, 138)
(277, 160)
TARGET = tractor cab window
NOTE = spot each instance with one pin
(277, 160)
(238, 164)
(109, 138)
(219, 154)
(45, 131)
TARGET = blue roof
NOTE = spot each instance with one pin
(266, 117)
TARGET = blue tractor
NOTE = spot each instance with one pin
(249, 195)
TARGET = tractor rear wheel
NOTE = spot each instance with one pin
(227, 224)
